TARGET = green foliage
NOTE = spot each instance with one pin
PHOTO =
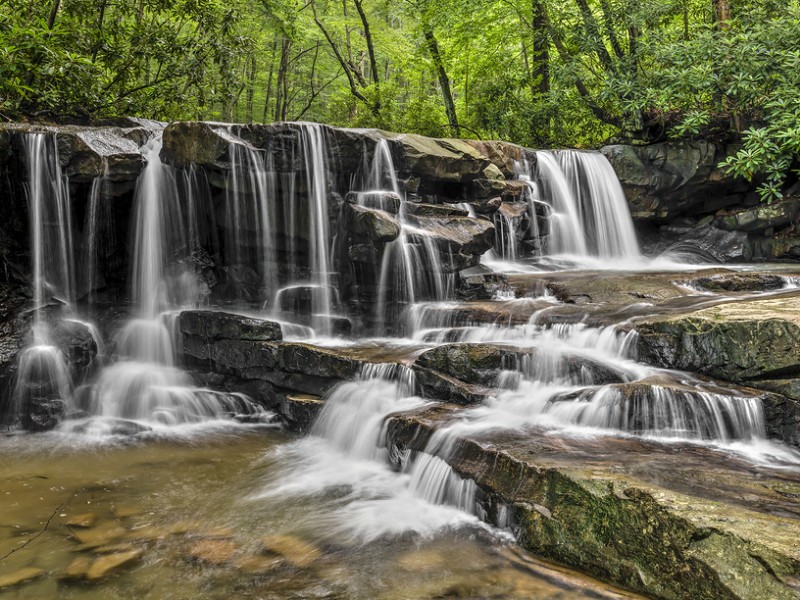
(538, 72)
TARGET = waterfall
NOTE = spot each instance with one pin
(402, 281)
(145, 385)
(51, 224)
(588, 216)
(603, 209)
(98, 228)
(42, 390)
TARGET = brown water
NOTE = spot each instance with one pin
(193, 513)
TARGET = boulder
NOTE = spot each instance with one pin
(651, 518)
(385, 201)
(186, 142)
(93, 152)
(503, 155)
(455, 235)
(739, 282)
(376, 225)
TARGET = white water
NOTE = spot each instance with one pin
(144, 385)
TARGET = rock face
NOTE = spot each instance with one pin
(740, 341)
(672, 179)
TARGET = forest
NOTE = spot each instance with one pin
(542, 73)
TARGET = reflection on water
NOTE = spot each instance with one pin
(194, 517)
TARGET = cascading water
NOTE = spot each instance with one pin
(145, 385)
(411, 268)
(590, 217)
(43, 388)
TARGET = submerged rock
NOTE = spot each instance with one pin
(20, 576)
(296, 552)
(214, 552)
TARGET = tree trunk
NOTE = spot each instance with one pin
(269, 81)
(251, 88)
(722, 13)
(541, 46)
(281, 84)
(444, 81)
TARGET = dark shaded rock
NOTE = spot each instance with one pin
(187, 142)
(300, 300)
(385, 201)
(438, 386)
(739, 282)
(670, 179)
(363, 253)
(213, 325)
(782, 409)
(708, 242)
(76, 341)
(301, 410)
(486, 207)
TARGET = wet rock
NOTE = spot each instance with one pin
(75, 340)
(213, 552)
(214, 325)
(363, 253)
(486, 207)
(455, 235)
(295, 551)
(105, 565)
(503, 155)
(77, 569)
(480, 363)
(441, 160)
(19, 576)
(738, 341)
(103, 534)
(608, 522)
(666, 180)
(300, 410)
(385, 201)
(438, 386)
(376, 225)
(85, 520)
(420, 209)
(258, 565)
(185, 143)
(739, 282)
(708, 242)
(90, 151)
